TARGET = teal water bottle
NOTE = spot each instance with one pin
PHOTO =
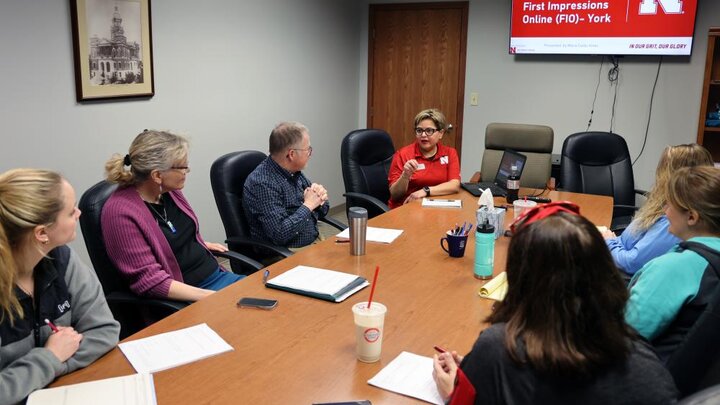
(484, 251)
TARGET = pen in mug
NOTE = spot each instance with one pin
(51, 325)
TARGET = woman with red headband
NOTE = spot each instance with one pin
(559, 335)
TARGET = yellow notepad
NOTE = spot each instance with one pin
(496, 288)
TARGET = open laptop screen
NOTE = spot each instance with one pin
(509, 159)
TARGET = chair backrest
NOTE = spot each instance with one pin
(695, 364)
(91, 204)
(598, 163)
(533, 141)
(227, 178)
(366, 155)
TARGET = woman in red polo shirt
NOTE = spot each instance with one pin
(426, 167)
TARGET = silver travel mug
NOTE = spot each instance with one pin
(357, 217)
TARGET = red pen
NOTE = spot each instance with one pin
(342, 240)
(439, 349)
(51, 325)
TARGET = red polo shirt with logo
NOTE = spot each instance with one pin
(442, 167)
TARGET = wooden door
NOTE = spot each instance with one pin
(416, 61)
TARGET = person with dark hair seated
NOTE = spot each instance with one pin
(559, 336)
(670, 292)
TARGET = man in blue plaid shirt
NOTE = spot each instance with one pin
(281, 205)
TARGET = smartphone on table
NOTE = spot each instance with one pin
(262, 303)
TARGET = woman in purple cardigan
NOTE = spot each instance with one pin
(151, 233)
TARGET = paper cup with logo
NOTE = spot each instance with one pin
(520, 206)
(369, 330)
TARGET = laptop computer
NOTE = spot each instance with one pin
(498, 186)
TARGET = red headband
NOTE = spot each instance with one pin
(544, 211)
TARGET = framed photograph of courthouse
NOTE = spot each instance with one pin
(112, 48)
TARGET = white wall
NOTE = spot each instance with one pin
(226, 72)
(558, 90)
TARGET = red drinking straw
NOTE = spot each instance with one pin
(372, 289)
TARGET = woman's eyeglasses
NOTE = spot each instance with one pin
(182, 169)
(543, 211)
(426, 131)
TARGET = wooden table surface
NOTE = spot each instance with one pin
(303, 351)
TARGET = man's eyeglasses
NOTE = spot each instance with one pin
(427, 131)
(543, 211)
(308, 150)
(183, 169)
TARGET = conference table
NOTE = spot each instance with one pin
(303, 351)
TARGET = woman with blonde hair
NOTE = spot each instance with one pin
(426, 167)
(647, 237)
(669, 293)
(53, 315)
(151, 233)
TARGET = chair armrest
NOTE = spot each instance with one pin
(641, 192)
(278, 250)
(334, 222)
(628, 207)
(127, 298)
(239, 257)
(370, 199)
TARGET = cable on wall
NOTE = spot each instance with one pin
(613, 77)
(592, 109)
(652, 96)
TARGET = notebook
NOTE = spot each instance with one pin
(324, 284)
(509, 159)
(495, 289)
(134, 389)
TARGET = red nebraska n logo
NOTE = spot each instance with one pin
(668, 6)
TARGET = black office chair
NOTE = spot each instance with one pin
(599, 163)
(227, 177)
(133, 312)
(366, 155)
(695, 364)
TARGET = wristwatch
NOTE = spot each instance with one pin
(426, 189)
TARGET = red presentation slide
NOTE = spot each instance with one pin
(603, 27)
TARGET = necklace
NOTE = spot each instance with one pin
(163, 217)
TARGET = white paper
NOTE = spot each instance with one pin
(315, 280)
(439, 202)
(409, 374)
(172, 349)
(381, 235)
(135, 389)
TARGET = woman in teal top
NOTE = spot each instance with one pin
(669, 293)
(647, 237)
